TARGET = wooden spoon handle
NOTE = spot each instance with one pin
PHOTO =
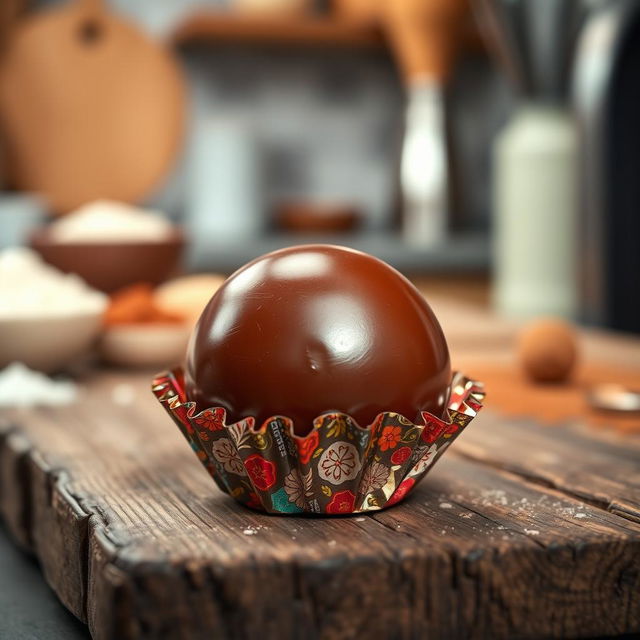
(11, 11)
(424, 35)
(92, 6)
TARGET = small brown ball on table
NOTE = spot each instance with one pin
(311, 329)
(547, 350)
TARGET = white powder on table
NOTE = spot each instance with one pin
(22, 387)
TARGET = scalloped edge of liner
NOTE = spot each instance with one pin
(468, 402)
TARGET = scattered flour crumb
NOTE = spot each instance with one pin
(446, 505)
(493, 497)
(252, 530)
(532, 532)
(467, 514)
(580, 515)
(360, 519)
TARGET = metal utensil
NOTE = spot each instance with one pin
(424, 35)
(614, 397)
(534, 40)
(423, 166)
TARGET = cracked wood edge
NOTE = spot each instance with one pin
(460, 595)
(14, 485)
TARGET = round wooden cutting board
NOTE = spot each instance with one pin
(90, 107)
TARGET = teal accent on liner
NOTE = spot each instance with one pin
(280, 502)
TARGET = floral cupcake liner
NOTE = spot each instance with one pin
(338, 468)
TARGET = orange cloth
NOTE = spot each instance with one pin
(511, 393)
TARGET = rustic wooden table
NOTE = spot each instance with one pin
(520, 530)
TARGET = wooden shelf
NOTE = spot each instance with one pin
(297, 30)
(461, 254)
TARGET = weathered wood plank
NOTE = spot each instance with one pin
(58, 532)
(526, 560)
(137, 540)
(601, 468)
(14, 484)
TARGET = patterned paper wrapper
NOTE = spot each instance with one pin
(338, 468)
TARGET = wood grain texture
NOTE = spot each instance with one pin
(136, 539)
(599, 468)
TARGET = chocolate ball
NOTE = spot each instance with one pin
(313, 329)
(548, 350)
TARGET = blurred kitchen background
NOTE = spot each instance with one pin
(495, 142)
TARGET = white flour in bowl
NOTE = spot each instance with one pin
(30, 288)
(106, 221)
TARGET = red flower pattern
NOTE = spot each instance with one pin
(431, 432)
(401, 455)
(342, 502)
(389, 438)
(434, 430)
(306, 446)
(261, 471)
(211, 419)
(402, 490)
(254, 502)
(450, 429)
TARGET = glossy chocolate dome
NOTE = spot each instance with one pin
(317, 328)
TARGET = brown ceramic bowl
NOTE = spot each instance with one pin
(110, 266)
(303, 217)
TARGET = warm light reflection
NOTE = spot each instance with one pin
(301, 266)
(344, 326)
